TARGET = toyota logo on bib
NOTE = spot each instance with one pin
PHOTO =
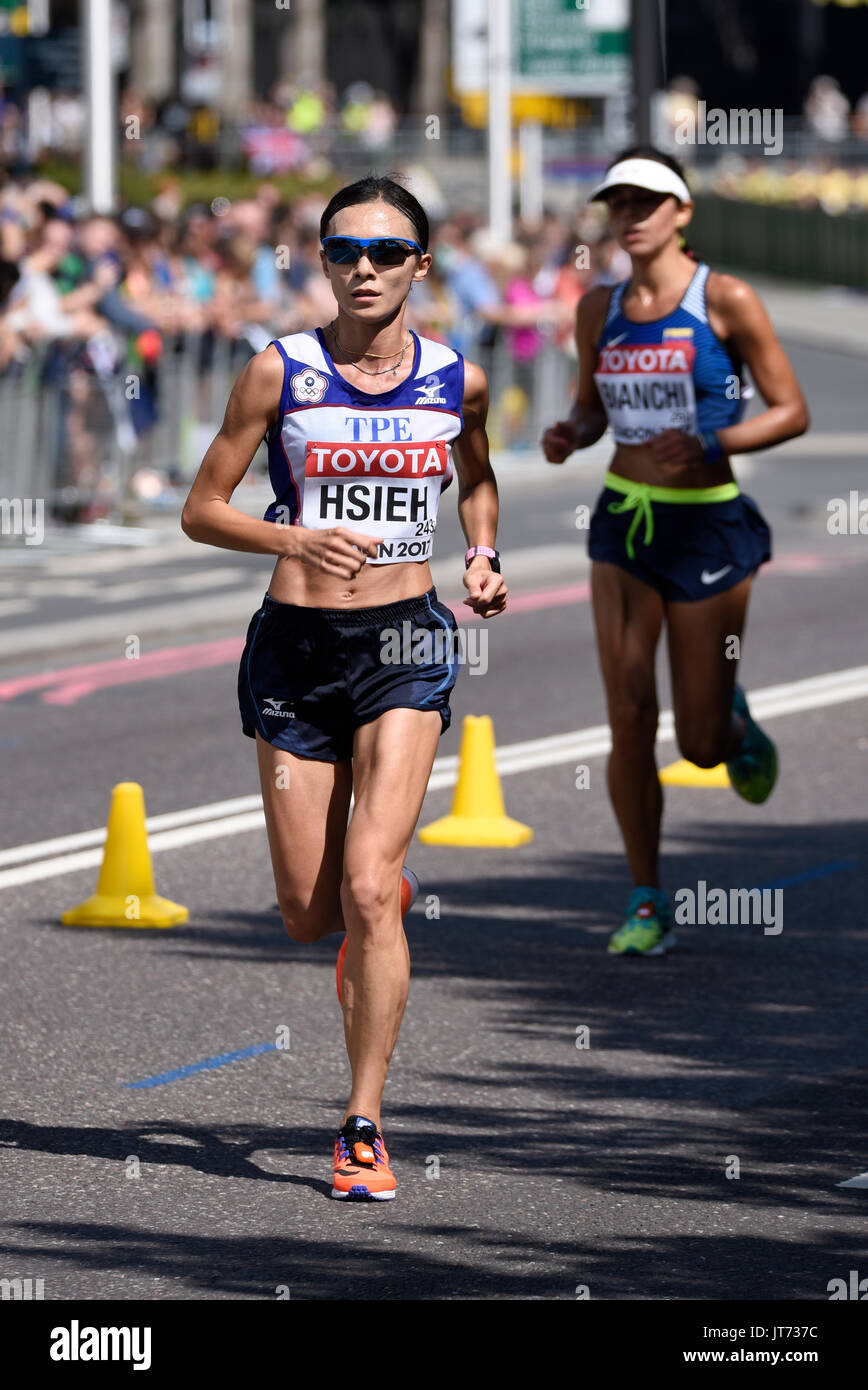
(309, 386)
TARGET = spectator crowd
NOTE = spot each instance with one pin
(250, 270)
(85, 296)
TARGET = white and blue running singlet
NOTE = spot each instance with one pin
(671, 373)
(376, 464)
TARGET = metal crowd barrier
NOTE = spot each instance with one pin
(76, 436)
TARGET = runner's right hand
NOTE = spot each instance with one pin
(559, 441)
(338, 551)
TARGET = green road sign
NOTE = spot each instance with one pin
(570, 47)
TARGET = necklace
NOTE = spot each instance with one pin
(380, 356)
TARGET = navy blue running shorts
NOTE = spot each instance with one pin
(695, 551)
(310, 676)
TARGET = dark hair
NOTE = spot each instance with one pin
(661, 157)
(375, 189)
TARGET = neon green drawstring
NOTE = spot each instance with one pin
(639, 496)
(638, 501)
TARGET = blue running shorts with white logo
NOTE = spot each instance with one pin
(696, 550)
(310, 676)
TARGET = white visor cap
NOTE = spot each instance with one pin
(643, 173)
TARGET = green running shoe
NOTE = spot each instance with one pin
(647, 930)
(754, 770)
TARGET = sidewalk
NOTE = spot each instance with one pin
(823, 316)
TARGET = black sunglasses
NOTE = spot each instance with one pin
(382, 250)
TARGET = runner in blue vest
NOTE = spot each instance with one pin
(660, 361)
(346, 674)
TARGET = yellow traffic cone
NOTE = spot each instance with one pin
(478, 816)
(685, 774)
(125, 894)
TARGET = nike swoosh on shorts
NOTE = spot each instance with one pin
(712, 578)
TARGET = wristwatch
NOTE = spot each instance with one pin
(493, 556)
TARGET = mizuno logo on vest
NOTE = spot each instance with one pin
(429, 391)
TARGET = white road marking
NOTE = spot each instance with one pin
(176, 829)
(172, 584)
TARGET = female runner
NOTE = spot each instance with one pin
(364, 422)
(660, 360)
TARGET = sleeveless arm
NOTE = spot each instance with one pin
(748, 328)
(477, 495)
(587, 420)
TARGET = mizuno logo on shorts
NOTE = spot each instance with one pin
(713, 578)
(273, 707)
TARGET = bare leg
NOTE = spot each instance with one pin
(392, 760)
(306, 807)
(628, 616)
(703, 675)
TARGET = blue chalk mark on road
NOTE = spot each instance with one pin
(223, 1059)
(209, 1064)
(838, 866)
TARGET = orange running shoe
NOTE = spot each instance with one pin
(409, 894)
(362, 1171)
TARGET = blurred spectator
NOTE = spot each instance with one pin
(237, 300)
(37, 309)
(379, 131)
(356, 108)
(11, 342)
(827, 109)
(198, 260)
(472, 286)
(677, 110)
(433, 310)
(610, 263)
(250, 217)
(859, 119)
(307, 113)
(522, 288)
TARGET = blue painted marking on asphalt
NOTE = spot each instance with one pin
(837, 866)
(209, 1064)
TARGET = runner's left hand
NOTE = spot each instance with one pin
(488, 590)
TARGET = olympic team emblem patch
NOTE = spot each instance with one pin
(308, 386)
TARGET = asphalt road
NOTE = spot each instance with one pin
(692, 1150)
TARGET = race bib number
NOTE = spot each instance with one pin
(647, 388)
(388, 490)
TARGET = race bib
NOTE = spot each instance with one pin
(387, 490)
(647, 388)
